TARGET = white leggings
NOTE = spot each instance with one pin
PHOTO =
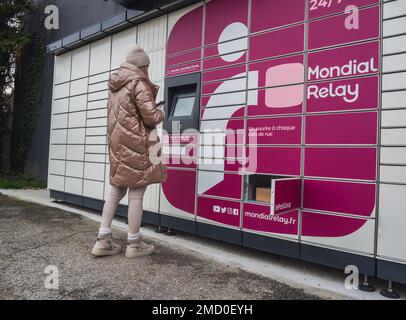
(135, 204)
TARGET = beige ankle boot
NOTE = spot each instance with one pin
(105, 246)
(138, 248)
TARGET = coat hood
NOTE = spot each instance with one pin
(124, 75)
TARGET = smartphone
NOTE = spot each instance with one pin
(161, 103)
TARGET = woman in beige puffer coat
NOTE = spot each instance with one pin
(132, 120)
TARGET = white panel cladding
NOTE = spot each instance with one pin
(62, 68)
(75, 152)
(98, 122)
(74, 186)
(58, 151)
(394, 9)
(57, 167)
(393, 174)
(78, 103)
(394, 81)
(93, 189)
(76, 136)
(102, 140)
(392, 222)
(98, 104)
(58, 136)
(61, 90)
(393, 137)
(393, 155)
(394, 45)
(100, 158)
(77, 120)
(100, 53)
(152, 37)
(60, 106)
(120, 44)
(60, 121)
(157, 59)
(74, 169)
(99, 131)
(78, 87)
(99, 86)
(395, 99)
(80, 62)
(101, 95)
(394, 118)
(151, 198)
(98, 149)
(56, 183)
(394, 63)
(99, 77)
(394, 27)
(98, 113)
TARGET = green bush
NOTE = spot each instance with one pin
(21, 182)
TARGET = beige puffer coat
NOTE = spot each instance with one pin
(132, 115)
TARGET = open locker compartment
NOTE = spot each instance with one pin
(281, 193)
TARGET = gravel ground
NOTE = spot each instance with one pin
(33, 237)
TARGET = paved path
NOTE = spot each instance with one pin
(33, 237)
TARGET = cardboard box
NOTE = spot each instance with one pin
(263, 194)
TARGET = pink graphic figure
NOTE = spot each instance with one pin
(234, 93)
(281, 95)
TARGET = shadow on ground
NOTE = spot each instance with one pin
(33, 237)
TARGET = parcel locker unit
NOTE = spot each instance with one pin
(280, 135)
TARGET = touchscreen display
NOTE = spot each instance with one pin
(184, 106)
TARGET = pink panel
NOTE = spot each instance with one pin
(323, 225)
(351, 128)
(272, 160)
(230, 187)
(211, 88)
(190, 67)
(317, 9)
(320, 31)
(345, 163)
(181, 139)
(351, 94)
(238, 114)
(288, 106)
(234, 151)
(338, 63)
(275, 131)
(287, 195)
(219, 15)
(187, 32)
(234, 165)
(283, 71)
(180, 189)
(258, 218)
(224, 73)
(217, 62)
(184, 57)
(342, 197)
(272, 44)
(180, 162)
(222, 211)
(276, 13)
